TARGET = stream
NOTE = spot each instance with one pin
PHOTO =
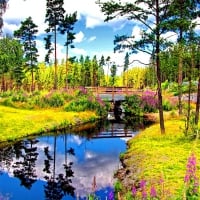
(69, 165)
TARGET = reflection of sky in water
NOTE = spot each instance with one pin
(94, 157)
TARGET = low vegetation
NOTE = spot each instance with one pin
(154, 165)
(24, 114)
(160, 161)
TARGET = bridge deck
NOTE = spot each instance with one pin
(114, 93)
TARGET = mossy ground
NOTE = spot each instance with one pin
(18, 123)
(153, 157)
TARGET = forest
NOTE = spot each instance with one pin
(172, 62)
(173, 67)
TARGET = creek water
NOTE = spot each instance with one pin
(69, 165)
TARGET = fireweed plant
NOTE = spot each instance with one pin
(149, 101)
(191, 179)
(155, 190)
(84, 100)
(137, 105)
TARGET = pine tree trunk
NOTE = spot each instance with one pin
(158, 71)
(55, 61)
(198, 101)
(180, 78)
(66, 67)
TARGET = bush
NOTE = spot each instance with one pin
(8, 102)
(149, 102)
(19, 97)
(50, 100)
(132, 105)
(84, 103)
(6, 93)
(78, 105)
(167, 106)
(55, 100)
(165, 85)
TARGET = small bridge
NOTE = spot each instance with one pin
(115, 130)
(114, 93)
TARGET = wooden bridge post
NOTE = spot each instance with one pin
(113, 96)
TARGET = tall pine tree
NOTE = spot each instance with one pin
(151, 15)
(67, 27)
(54, 18)
(27, 34)
(3, 7)
(181, 19)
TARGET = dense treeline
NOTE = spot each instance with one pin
(170, 61)
(15, 73)
(177, 61)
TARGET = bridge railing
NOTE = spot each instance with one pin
(114, 90)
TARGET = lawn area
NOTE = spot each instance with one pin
(159, 159)
(17, 123)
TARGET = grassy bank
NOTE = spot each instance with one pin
(18, 123)
(158, 158)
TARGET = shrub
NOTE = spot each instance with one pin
(165, 85)
(149, 101)
(52, 99)
(167, 106)
(55, 100)
(8, 102)
(78, 105)
(132, 105)
(19, 97)
(6, 93)
(84, 103)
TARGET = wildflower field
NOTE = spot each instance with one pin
(160, 166)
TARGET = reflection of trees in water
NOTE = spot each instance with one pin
(6, 158)
(22, 157)
(24, 167)
(58, 185)
(90, 130)
(136, 123)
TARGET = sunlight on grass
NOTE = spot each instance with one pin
(159, 155)
(15, 123)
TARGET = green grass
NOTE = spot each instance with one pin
(151, 156)
(18, 123)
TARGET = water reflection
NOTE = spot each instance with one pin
(63, 166)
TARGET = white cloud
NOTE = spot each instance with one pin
(42, 52)
(93, 164)
(92, 38)
(79, 51)
(139, 59)
(79, 37)
(136, 32)
(170, 36)
(19, 10)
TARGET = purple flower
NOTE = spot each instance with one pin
(144, 194)
(143, 189)
(142, 184)
(153, 192)
(191, 169)
(134, 191)
(149, 100)
(100, 101)
(83, 90)
(190, 178)
(111, 195)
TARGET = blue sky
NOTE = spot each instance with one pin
(93, 35)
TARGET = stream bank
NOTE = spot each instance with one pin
(153, 157)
